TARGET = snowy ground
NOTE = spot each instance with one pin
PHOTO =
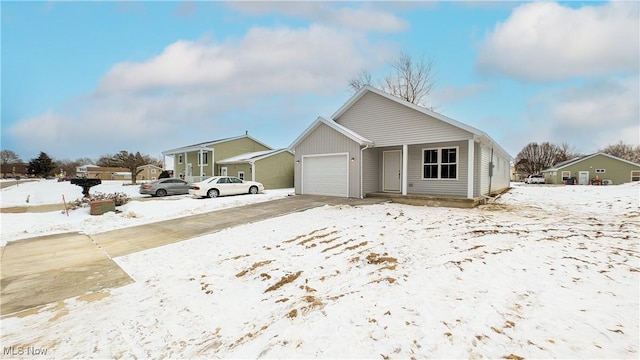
(21, 226)
(545, 272)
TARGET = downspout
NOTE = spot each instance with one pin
(490, 172)
(361, 170)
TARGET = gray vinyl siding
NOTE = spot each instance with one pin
(500, 179)
(485, 158)
(450, 187)
(370, 173)
(477, 169)
(388, 123)
(275, 172)
(325, 140)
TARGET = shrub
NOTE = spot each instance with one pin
(118, 198)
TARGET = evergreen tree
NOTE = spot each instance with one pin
(42, 166)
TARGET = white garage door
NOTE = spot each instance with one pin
(325, 175)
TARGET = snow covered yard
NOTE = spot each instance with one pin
(25, 225)
(545, 272)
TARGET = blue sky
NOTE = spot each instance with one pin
(84, 79)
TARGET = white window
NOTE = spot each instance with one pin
(600, 171)
(566, 175)
(440, 163)
(223, 171)
(153, 171)
(203, 158)
(635, 176)
(241, 175)
(180, 159)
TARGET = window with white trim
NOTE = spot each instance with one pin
(153, 171)
(440, 163)
(180, 159)
(635, 175)
(203, 158)
(600, 171)
(566, 175)
(241, 175)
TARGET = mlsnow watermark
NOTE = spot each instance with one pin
(24, 351)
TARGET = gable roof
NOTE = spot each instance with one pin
(369, 89)
(196, 147)
(251, 156)
(149, 165)
(335, 126)
(573, 161)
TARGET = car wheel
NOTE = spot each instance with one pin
(213, 193)
(253, 190)
(161, 192)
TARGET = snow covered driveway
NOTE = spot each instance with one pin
(544, 272)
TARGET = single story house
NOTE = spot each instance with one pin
(148, 172)
(103, 173)
(377, 142)
(241, 156)
(273, 168)
(593, 168)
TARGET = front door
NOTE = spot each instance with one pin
(391, 168)
(223, 171)
(583, 177)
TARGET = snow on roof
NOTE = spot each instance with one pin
(256, 155)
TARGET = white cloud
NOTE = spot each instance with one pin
(265, 60)
(201, 90)
(543, 41)
(589, 117)
(364, 18)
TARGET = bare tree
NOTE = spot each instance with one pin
(623, 151)
(409, 80)
(127, 160)
(8, 157)
(534, 157)
(363, 79)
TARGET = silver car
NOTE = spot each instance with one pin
(165, 187)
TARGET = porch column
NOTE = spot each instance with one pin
(405, 165)
(253, 171)
(470, 165)
(201, 161)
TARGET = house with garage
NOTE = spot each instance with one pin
(377, 144)
(241, 156)
(103, 172)
(148, 172)
(273, 168)
(597, 168)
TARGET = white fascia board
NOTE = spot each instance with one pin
(332, 124)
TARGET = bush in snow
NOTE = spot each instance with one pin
(118, 198)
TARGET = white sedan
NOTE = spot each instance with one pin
(224, 185)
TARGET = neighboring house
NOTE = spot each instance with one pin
(12, 170)
(149, 172)
(379, 143)
(103, 173)
(273, 168)
(607, 168)
(199, 161)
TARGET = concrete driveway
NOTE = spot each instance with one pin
(42, 270)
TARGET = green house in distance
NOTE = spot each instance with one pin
(240, 156)
(593, 169)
